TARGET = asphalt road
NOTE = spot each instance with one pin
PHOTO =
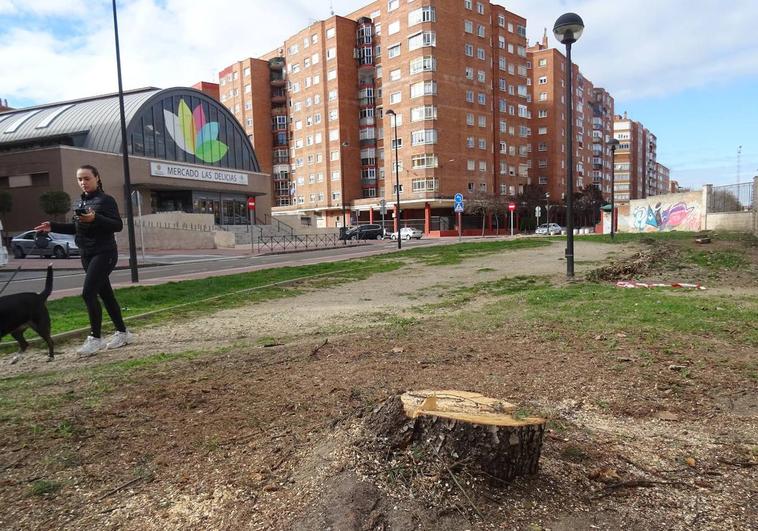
(69, 281)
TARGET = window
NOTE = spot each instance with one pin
(471, 165)
(481, 76)
(501, 64)
(482, 165)
(334, 134)
(393, 27)
(470, 142)
(392, 5)
(469, 73)
(470, 96)
(542, 131)
(393, 51)
(336, 175)
(424, 14)
(542, 62)
(331, 53)
(467, 4)
(423, 88)
(501, 42)
(501, 21)
(482, 121)
(543, 96)
(542, 146)
(427, 112)
(398, 143)
(424, 161)
(480, 54)
(542, 113)
(482, 143)
(425, 38)
(247, 71)
(480, 31)
(424, 136)
(331, 74)
(468, 26)
(247, 88)
(469, 118)
(482, 98)
(468, 50)
(395, 97)
(423, 64)
(332, 94)
(480, 8)
(395, 74)
(542, 80)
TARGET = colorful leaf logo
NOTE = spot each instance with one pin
(193, 134)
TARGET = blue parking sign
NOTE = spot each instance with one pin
(458, 198)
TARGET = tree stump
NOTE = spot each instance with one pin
(463, 427)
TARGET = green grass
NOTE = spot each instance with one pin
(625, 237)
(44, 486)
(652, 313)
(455, 254)
(717, 259)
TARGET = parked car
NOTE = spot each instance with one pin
(545, 228)
(3, 250)
(364, 232)
(51, 244)
(406, 233)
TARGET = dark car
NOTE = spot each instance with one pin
(364, 232)
(51, 244)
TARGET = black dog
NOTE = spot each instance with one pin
(27, 310)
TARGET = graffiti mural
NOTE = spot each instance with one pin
(682, 212)
(662, 218)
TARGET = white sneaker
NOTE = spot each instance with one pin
(91, 346)
(120, 339)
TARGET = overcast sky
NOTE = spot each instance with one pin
(687, 70)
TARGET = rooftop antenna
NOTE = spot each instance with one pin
(331, 8)
(739, 155)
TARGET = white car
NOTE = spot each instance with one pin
(551, 228)
(3, 250)
(406, 233)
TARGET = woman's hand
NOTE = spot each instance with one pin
(89, 217)
(44, 226)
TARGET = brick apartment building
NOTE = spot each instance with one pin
(636, 171)
(593, 118)
(663, 180)
(455, 74)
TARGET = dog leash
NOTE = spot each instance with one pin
(10, 279)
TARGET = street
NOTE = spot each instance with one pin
(184, 266)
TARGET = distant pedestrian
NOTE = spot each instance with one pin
(95, 223)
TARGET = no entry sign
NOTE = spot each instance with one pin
(251, 203)
(511, 206)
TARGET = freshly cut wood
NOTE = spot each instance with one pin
(463, 427)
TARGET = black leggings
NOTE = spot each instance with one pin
(96, 282)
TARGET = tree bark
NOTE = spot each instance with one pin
(463, 427)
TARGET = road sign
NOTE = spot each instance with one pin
(251, 203)
(537, 212)
(511, 206)
(382, 207)
(458, 198)
(458, 208)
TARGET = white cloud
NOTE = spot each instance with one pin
(650, 48)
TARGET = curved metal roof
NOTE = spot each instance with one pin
(94, 123)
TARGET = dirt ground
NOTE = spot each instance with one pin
(259, 420)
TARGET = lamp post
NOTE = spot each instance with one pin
(125, 158)
(342, 189)
(613, 143)
(567, 29)
(390, 112)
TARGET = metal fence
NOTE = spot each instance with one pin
(304, 241)
(731, 198)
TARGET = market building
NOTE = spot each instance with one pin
(187, 153)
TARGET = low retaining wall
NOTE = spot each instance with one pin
(730, 221)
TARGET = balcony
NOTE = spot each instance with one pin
(278, 82)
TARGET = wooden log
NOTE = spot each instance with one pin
(460, 426)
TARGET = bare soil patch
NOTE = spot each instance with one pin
(239, 435)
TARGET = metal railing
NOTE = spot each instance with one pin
(731, 198)
(305, 241)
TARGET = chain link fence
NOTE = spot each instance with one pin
(731, 198)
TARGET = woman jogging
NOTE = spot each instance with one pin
(95, 222)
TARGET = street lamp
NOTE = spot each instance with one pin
(613, 143)
(342, 189)
(567, 29)
(390, 112)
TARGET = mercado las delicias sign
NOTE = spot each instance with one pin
(195, 173)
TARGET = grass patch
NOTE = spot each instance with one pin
(42, 487)
(717, 259)
(455, 254)
(650, 313)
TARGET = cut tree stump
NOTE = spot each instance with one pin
(463, 427)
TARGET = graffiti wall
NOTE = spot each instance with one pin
(662, 213)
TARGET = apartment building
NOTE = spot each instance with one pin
(548, 86)
(602, 132)
(455, 75)
(663, 179)
(635, 162)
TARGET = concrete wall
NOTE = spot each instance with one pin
(730, 221)
(176, 230)
(661, 213)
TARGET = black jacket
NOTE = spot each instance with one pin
(98, 236)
